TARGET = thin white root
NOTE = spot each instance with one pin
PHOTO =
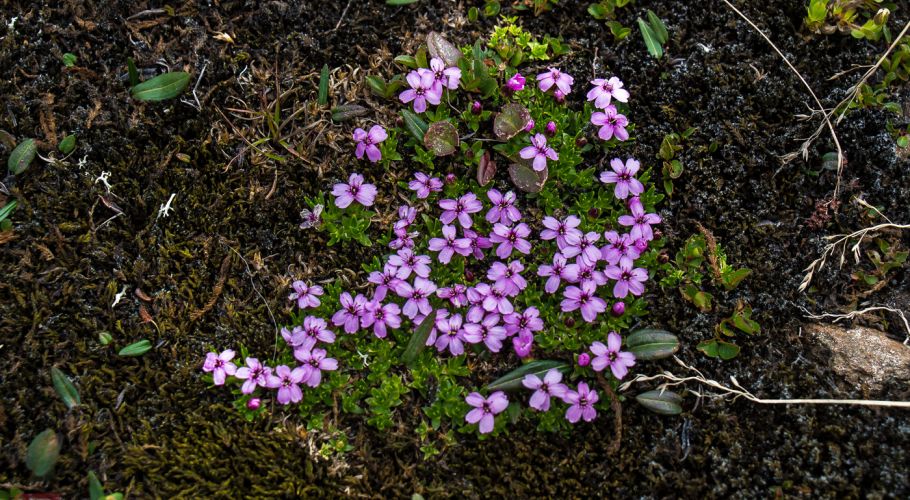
(853, 314)
(672, 380)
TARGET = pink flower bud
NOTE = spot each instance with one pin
(551, 128)
(584, 359)
(530, 126)
(253, 404)
(450, 178)
(516, 83)
(476, 108)
(641, 244)
(619, 309)
(559, 96)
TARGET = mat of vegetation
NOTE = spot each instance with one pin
(94, 264)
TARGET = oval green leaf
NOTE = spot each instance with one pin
(418, 340)
(441, 138)
(7, 209)
(658, 27)
(406, 61)
(43, 453)
(345, 112)
(649, 344)
(526, 178)
(415, 124)
(650, 39)
(661, 402)
(22, 156)
(136, 348)
(512, 380)
(65, 388)
(162, 87)
(443, 49)
(510, 121)
(67, 145)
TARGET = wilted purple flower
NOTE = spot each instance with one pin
(447, 77)
(551, 128)
(619, 248)
(424, 88)
(565, 231)
(305, 295)
(516, 83)
(551, 385)
(627, 279)
(557, 272)
(639, 220)
(417, 295)
(539, 151)
(523, 343)
(583, 298)
(220, 365)
(488, 331)
(584, 248)
(456, 294)
(611, 123)
(605, 90)
(553, 76)
(367, 141)
(317, 361)
(495, 298)
(503, 209)
(384, 281)
(460, 209)
(355, 189)
(473, 243)
(582, 404)
(623, 176)
(446, 245)
(618, 309)
(450, 335)
(318, 329)
(286, 381)
(584, 359)
(525, 323)
(381, 317)
(253, 374)
(511, 238)
(485, 410)
(407, 262)
(610, 355)
(423, 184)
(350, 312)
(508, 277)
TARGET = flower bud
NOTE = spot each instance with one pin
(468, 275)
(551, 128)
(450, 178)
(584, 359)
(641, 244)
(476, 108)
(581, 142)
(559, 96)
(881, 17)
(569, 321)
(663, 257)
(530, 126)
(253, 404)
(619, 309)
(593, 212)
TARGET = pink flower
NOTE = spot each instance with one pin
(585, 273)
(619, 248)
(610, 355)
(583, 298)
(450, 335)
(539, 151)
(527, 322)
(305, 295)
(367, 141)
(494, 298)
(355, 189)
(317, 329)
(550, 386)
(623, 176)
(503, 209)
(254, 374)
(510, 238)
(407, 262)
(447, 77)
(473, 243)
(446, 246)
(565, 232)
(456, 294)
(611, 123)
(509, 277)
(640, 221)
(627, 279)
(487, 331)
(286, 381)
(462, 208)
(553, 76)
(605, 90)
(351, 311)
(384, 281)
(557, 272)
(424, 89)
(516, 83)
(418, 296)
(424, 185)
(584, 359)
(584, 248)
(220, 365)
(485, 409)
(582, 404)
(381, 317)
(550, 128)
(523, 343)
(316, 361)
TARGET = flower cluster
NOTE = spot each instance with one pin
(427, 84)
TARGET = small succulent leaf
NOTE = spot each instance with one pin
(43, 452)
(136, 348)
(510, 121)
(441, 138)
(67, 145)
(443, 49)
(650, 39)
(415, 124)
(7, 209)
(658, 27)
(512, 380)
(65, 388)
(345, 112)
(95, 489)
(526, 178)
(661, 402)
(22, 156)
(649, 344)
(162, 87)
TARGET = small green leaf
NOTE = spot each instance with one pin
(732, 278)
(597, 11)
(510, 121)
(323, 98)
(136, 348)
(441, 138)
(407, 61)
(661, 402)
(650, 344)
(658, 27)
(162, 87)
(903, 141)
(345, 112)
(69, 59)
(377, 85)
(650, 39)
(443, 49)
(65, 388)
(133, 72)
(718, 349)
(67, 145)
(512, 380)
(418, 340)
(415, 125)
(400, 2)
(22, 156)
(104, 338)
(7, 209)
(95, 490)
(43, 453)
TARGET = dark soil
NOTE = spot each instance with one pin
(149, 427)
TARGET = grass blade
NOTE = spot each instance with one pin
(324, 86)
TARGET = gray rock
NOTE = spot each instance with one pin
(865, 357)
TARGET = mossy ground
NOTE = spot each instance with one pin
(150, 427)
